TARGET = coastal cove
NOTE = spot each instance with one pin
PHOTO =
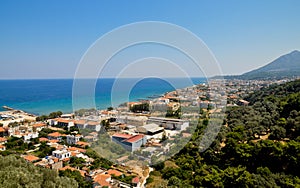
(42, 96)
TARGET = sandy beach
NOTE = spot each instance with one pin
(13, 115)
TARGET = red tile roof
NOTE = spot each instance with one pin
(63, 120)
(73, 153)
(1, 129)
(3, 139)
(55, 159)
(43, 139)
(93, 123)
(53, 141)
(114, 172)
(135, 180)
(81, 122)
(76, 149)
(101, 179)
(30, 158)
(39, 125)
(82, 144)
(55, 134)
(120, 135)
(134, 138)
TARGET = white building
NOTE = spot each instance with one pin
(62, 122)
(73, 139)
(92, 125)
(61, 154)
(168, 123)
(29, 136)
(132, 120)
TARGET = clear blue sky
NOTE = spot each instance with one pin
(46, 39)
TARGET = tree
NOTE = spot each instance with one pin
(277, 133)
(82, 182)
(138, 108)
(77, 162)
(174, 181)
(53, 115)
(164, 136)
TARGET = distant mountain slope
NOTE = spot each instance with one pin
(284, 66)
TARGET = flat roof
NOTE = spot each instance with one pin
(152, 127)
(166, 119)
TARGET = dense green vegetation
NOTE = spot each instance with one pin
(174, 113)
(139, 108)
(98, 160)
(82, 182)
(258, 146)
(15, 172)
(52, 115)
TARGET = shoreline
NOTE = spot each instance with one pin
(15, 115)
(45, 105)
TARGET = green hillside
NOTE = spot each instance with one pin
(258, 146)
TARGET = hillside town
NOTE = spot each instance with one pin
(141, 131)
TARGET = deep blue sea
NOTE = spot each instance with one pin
(48, 95)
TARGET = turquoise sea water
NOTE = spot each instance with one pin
(45, 96)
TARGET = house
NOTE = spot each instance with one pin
(89, 138)
(82, 144)
(2, 147)
(93, 136)
(29, 136)
(3, 140)
(132, 120)
(169, 123)
(129, 142)
(31, 158)
(76, 149)
(61, 154)
(135, 182)
(102, 180)
(50, 162)
(150, 129)
(62, 122)
(80, 124)
(43, 139)
(55, 136)
(243, 102)
(3, 131)
(93, 125)
(38, 127)
(73, 139)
